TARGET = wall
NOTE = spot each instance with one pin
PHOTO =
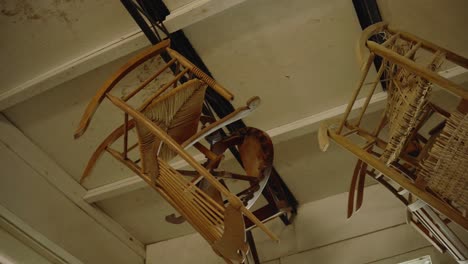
(30, 197)
(13, 251)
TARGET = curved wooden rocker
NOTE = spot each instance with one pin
(166, 124)
(427, 172)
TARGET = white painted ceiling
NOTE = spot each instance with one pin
(297, 55)
(45, 34)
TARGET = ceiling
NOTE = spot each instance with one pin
(298, 56)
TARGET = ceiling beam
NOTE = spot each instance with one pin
(113, 50)
(74, 68)
(24, 148)
(196, 11)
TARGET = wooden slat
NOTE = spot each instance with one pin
(413, 50)
(147, 81)
(162, 89)
(437, 204)
(391, 40)
(371, 91)
(451, 56)
(200, 74)
(186, 209)
(113, 80)
(233, 200)
(364, 71)
(125, 146)
(418, 69)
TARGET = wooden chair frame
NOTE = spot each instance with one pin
(372, 49)
(166, 139)
(185, 71)
(188, 73)
(428, 212)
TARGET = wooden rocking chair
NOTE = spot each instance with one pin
(428, 173)
(167, 124)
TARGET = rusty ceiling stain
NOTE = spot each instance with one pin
(24, 10)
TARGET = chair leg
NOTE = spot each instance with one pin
(116, 134)
(352, 188)
(360, 187)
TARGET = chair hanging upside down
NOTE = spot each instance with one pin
(425, 165)
(166, 125)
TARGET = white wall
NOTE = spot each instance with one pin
(13, 251)
(30, 197)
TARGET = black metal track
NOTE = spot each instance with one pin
(253, 248)
(155, 12)
(368, 13)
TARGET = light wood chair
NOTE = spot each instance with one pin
(428, 172)
(167, 124)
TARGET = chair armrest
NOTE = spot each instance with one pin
(361, 49)
(203, 76)
(238, 114)
(322, 134)
(111, 82)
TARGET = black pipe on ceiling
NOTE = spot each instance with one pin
(368, 13)
(155, 11)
